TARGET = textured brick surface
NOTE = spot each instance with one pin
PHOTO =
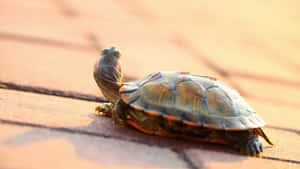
(251, 46)
(42, 148)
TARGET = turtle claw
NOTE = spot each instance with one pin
(104, 109)
(253, 147)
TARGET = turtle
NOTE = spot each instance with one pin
(179, 105)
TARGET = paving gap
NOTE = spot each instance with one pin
(181, 42)
(271, 53)
(265, 78)
(283, 129)
(279, 159)
(65, 8)
(53, 92)
(94, 41)
(275, 102)
(42, 41)
(181, 154)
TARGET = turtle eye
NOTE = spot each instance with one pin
(117, 54)
(105, 52)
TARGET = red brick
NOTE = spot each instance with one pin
(26, 147)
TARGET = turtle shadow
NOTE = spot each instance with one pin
(102, 136)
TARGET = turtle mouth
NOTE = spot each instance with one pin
(118, 65)
(96, 65)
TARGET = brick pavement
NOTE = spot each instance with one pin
(50, 47)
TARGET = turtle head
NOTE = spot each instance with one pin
(109, 57)
(108, 73)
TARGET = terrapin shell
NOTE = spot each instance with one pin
(192, 99)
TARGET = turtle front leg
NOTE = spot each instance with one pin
(119, 113)
(104, 109)
(115, 111)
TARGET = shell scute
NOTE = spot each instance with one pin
(195, 100)
(219, 103)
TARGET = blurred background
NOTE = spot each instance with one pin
(253, 46)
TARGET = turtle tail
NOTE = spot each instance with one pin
(260, 132)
